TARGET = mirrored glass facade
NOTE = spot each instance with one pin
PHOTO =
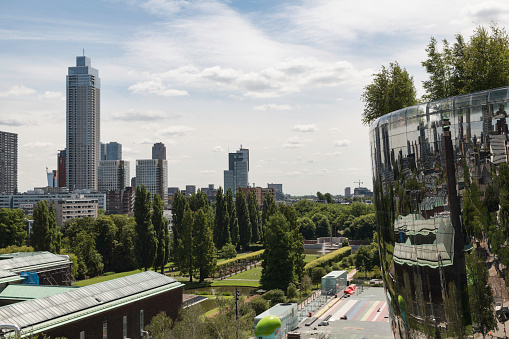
(441, 191)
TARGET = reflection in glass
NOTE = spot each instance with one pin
(441, 185)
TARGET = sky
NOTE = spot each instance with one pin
(281, 78)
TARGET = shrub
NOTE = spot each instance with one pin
(275, 296)
(228, 251)
(291, 291)
(259, 305)
(328, 259)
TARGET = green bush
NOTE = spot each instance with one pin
(291, 291)
(275, 296)
(228, 251)
(234, 261)
(259, 305)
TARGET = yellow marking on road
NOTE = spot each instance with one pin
(325, 309)
(371, 309)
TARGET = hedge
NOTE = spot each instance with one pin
(245, 257)
(328, 259)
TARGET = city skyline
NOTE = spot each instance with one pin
(282, 78)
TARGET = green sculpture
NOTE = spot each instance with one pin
(268, 327)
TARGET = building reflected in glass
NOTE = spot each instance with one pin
(441, 191)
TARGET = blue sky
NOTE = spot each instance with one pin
(282, 78)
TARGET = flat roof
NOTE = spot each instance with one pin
(334, 274)
(27, 292)
(6, 276)
(45, 313)
(29, 261)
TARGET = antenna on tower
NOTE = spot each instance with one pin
(359, 182)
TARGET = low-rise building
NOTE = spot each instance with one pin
(120, 201)
(76, 207)
(260, 193)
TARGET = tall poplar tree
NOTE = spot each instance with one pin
(232, 216)
(146, 241)
(198, 200)
(269, 208)
(161, 229)
(254, 216)
(204, 250)
(243, 219)
(44, 235)
(178, 208)
(185, 249)
(221, 221)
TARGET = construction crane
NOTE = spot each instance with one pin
(358, 182)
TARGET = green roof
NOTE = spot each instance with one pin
(28, 292)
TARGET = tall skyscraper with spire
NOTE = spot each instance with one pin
(83, 125)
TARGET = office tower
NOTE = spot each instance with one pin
(83, 125)
(159, 151)
(113, 175)
(111, 151)
(8, 163)
(238, 168)
(190, 190)
(62, 166)
(153, 174)
(52, 178)
(348, 192)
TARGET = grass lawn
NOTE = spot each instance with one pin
(226, 282)
(105, 278)
(252, 274)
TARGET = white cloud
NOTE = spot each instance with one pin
(334, 130)
(141, 115)
(333, 154)
(37, 144)
(305, 128)
(294, 142)
(342, 143)
(18, 91)
(208, 172)
(14, 122)
(272, 107)
(175, 130)
(49, 95)
(217, 149)
(156, 87)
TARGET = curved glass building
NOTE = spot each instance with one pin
(441, 191)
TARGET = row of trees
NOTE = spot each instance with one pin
(462, 67)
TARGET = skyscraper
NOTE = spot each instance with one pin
(238, 169)
(83, 125)
(111, 151)
(153, 174)
(8, 163)
(159, 151)
(113, 175)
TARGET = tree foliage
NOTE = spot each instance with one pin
(254, 217)
(232, 217)
(204, 249)
(12, 227)
(44, 235)
(283, 261)
(221, 221)
(243, 219)
(161, 231)
(146, 241)
(392, 88)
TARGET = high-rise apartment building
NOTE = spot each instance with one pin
(8, 163)
(62, 166)
(348, 192)
(159, 151)
(113, 175)
(111, 151)
(238, 169)
(153, 174)
(83, 125)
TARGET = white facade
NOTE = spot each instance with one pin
(153, 174)
(76, 207)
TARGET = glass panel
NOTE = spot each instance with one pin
(462, 101)
(479, 98)
(498, 95)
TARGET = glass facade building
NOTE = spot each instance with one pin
(153, 174)
(238, 170)
(83, 125)
(113, 175)
(441, 192)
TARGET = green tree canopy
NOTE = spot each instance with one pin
(307, 228)
(44, 235)
(146, 241)
(12, 227)
(255, 217)
(232, 217)
(161, 231)
(243, 219)
(392, 88)
(204, 249)
(221, 221)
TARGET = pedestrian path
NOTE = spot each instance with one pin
(360, 310)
